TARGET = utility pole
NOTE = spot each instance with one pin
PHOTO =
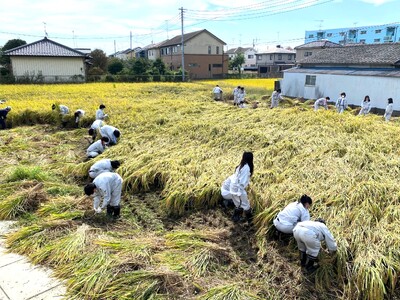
(182, 46)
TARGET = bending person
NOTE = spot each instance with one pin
(111, 132)
(103, 165)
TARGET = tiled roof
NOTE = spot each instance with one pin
(368, 54)
(44, 47)
(187, 36)
(318, 44)
(237, 50)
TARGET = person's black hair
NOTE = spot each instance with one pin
(89, 189)
(105, 139)
(76, 114)
(115, 164)
(365, 98)
(278, 90)
(327, 98)
(53, 107)
(91, 131)
(238, 87)
(343, 94)
(320, 220)
(102, 106)
(247, 158)
(117, 134)
(305, 199)
(390, 100)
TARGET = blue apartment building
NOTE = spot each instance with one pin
(388, 33)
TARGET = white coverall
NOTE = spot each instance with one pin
(236, 92)
(108, 188)
(239, 181)
(275, 97)
(64, 110)
(225, 188)
(101, 166)
(217, 93)
(388, 112)
(319, 103)
(100, 115)
(81, 114)
(365, 108)
(310, 234)
(95, 149)
(293, 213)
(108, 131)
(341, 104)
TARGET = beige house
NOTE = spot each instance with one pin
(203, 53)
(313, 48)
(47, 61)
(249, 54)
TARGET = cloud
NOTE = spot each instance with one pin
(377, 2)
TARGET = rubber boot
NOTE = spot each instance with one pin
(237, 214)
(110, 210)
(310, 267)
(117, 211)
(249, 215)
(303, 259)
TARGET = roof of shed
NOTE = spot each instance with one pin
(380, 72)
(321, 44)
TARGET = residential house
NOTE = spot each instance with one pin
(47, 61)
(249, 57)
(152, 51)
(271, 62)
(204, 56)
(311, 48)
(127, 53)
(359, 70)
(388, 33)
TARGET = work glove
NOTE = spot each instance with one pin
(97, 210)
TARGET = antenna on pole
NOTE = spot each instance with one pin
(320, 23)
(182, 46)
(73, 38)
(166, 22)
(44, 28)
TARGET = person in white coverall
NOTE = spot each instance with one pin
(217, 92)
(365, 106)
(275, 97)
(63, 110)
(106, 189)
(97, 148)
(293, 213)
(389, 110)
(103, 165)
(79, 113)
(236, 92)
(321, 102)
(100, 115)
(111, 132)
(237, 188)
(309, 235)
(95, 129)
(341, 103)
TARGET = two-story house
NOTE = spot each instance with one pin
(312, 48)
(249, 54)
(203, 54)
(271, 62)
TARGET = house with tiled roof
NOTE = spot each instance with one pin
(249, 54)
(47, 61)
(272, 61)
(204, 55)
(357, 70)
(311, 48)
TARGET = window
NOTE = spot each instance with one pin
(217, 65)
(193, 65)
(363, 32)
(310, 36)
(307, 53)
(279, 56)
(310, 80)
(342, 33)
(377, 40)
(329, 34)
(320, 35)
(378, 31)
(250, 56)
(362, 41)
(271, 57)
(175, 49)
(289, 57)
(217, 50)
(259, 57)
(209, 49)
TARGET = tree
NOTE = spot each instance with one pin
(238, 61)
(5, 59)
(159, 65)
(115, 65)
(99, 60)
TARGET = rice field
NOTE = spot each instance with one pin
(177, 146)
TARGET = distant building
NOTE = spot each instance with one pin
(271, 62)
(47, 61)
(312, 48)
(357, 70)
(126, 54)
(362, 35)
(249, 53)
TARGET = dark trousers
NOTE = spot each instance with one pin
(3, 123)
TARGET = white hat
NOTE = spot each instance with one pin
(8, 108)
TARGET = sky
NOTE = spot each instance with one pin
(107, 25)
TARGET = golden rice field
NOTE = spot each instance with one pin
(177, 146)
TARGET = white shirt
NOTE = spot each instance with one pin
(226, 186)
(100, 115)
(276, 96)
(321, 231)
(366, 106)
(217, 90)
(105, 184)
(64, 110)
(81, 112)
(96, 147)
(321, 102)
(389, 109)
(341, 102)
(97, 124)
(108, 131)
(101, 165)
(293, 213)
(240, 180)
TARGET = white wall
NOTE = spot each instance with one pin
(49, 66)
(356, 88)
